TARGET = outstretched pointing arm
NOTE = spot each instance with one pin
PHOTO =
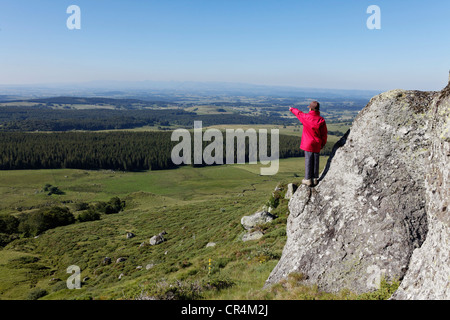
(295, 111)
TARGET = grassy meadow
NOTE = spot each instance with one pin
(195, 206)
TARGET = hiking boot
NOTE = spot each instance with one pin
(307, 182)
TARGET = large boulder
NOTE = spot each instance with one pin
(383, 192)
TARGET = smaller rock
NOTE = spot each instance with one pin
(106, 260)
(255, 235)
(260, 217)
(210, 244)
(149, 266)
(158, 238)
(121, 259)
(130, 235)
(121, 276)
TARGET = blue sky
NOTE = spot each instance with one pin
(321, 44)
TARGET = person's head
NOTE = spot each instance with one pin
(314, 106)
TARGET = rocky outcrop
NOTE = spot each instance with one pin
(380, 209)
(428, 276)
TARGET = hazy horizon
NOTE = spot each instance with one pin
(140, 89)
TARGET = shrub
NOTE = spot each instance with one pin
(114, 205)
(80, 206)
(52, 189)
(108, 209)
(7, 238)
(88, 215)
(60, 285)
(44, 219)
(178, 290)
(218, 283)
(36, 294)
(8, 224)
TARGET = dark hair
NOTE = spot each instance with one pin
(314, 106)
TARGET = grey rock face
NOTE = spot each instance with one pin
(428, 276)
(369, 213)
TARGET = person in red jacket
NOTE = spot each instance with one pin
(314, 138)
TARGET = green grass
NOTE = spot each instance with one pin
(194, 206)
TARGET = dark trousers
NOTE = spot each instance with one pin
(311, 165)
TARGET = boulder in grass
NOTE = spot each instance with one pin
(255, 235)
(258, 218)
(158, 239)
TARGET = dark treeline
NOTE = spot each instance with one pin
(128, 151)
(48, 119)
(86, 150)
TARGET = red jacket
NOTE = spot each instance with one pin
(315, 132)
